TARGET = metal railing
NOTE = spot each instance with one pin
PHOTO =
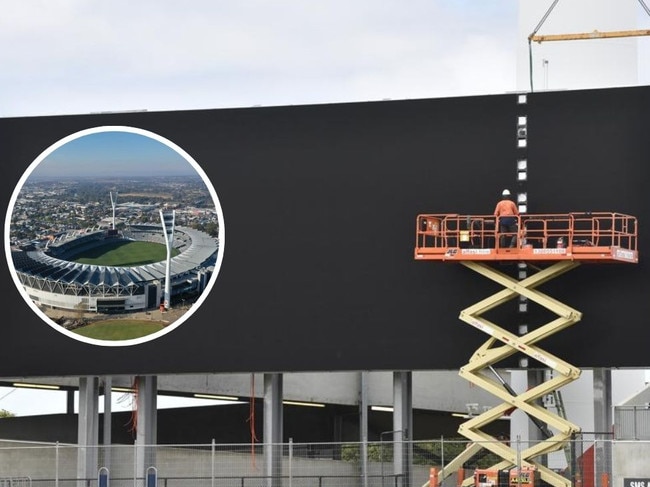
(574, 232)
(15, 482)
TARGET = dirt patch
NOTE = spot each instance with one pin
(71, 319)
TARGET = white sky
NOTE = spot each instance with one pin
(81, 56)
(28, 402)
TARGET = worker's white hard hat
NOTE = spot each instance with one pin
(506, 192)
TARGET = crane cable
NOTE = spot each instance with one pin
(530, 42)
(539, 25)
(645, 7)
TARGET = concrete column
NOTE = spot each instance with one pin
(88, 428)
(363, 424)
(107, 423)
(273, 434)
(147, 419)
(402, 427)
(521, 425)
(69, 402)
(603, 424)
(535, 378)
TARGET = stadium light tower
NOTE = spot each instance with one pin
(167, 221)
(113, 204)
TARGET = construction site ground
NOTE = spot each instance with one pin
(68, 318)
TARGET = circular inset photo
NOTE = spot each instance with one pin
(115, 236)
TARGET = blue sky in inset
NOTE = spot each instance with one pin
(113, 154)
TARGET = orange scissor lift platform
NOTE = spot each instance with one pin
(599, 237)
(553, 244)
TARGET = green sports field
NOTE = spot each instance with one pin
(121, 253)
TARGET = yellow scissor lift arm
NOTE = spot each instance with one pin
(556, 243)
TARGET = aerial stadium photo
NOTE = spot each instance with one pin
(114, 236)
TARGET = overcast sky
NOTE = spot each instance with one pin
(81, 56)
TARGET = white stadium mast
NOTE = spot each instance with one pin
(113, 204)
(167, 221)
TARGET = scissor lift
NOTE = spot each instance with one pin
(549, 245)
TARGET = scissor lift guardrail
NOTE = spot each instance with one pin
(589, 236)
(557, 243)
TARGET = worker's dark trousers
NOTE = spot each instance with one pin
(507, 225)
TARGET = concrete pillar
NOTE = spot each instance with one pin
(273, 434)
(88, 428)
(107, 423)
(147, 419)
(69, 402)
(402, 427)
(603, 424)
(521, 425)
(363, 424)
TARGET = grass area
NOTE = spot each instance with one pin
(121, 253)
(119, 329)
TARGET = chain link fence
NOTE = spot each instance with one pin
(585, 462)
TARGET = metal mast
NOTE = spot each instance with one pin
(167, 220)
(113, 204)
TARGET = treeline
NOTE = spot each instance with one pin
(211, 228)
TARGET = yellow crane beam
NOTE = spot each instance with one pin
(589, 35)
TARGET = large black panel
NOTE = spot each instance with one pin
(590, 151)
(319, 204)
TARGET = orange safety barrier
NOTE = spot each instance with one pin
(587, 236)
(433, 477)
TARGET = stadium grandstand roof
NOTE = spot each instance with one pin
(198, 250)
